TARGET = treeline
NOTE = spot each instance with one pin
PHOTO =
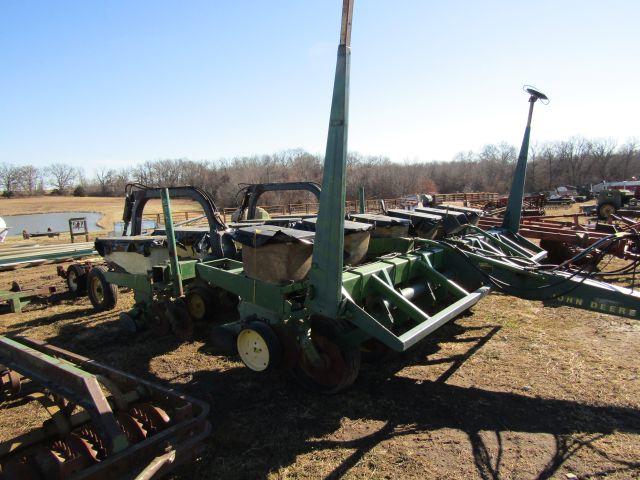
(576, 161)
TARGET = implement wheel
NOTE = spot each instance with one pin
(181, 322)
(200, 303)
(103, 295)
(76, 279)
(259, 347)
(340, 363)
(606, 210)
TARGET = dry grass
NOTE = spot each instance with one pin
(515, 391)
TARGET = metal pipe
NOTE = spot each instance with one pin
(413, 291)
(514, 206)
(171, 244)
(325, 279)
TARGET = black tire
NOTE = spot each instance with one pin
(181, 322)
(222, 341)
(102, 294)
(209, 304)
(343, 362)
(271, 342)
(76, 278)
(605, 210)
(201, 303)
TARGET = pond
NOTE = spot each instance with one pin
(146, 225)
(40, 222)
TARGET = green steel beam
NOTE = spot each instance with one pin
(325, 278)
(513, 213)
(431, 272)
(390, 294)
(178, 288)
(557, 287)
(133, 281)
(364, 321)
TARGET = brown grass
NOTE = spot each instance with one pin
(515, 391)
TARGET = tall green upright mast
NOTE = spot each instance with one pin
(513, 213)
(325, 278)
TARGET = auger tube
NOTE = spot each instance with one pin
(513, 213)
(325, 278)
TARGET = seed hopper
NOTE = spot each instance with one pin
(306, 301)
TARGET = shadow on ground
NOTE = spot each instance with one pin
(262, 423)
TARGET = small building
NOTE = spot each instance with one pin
(632, 185)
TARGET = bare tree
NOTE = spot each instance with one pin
(28, 179)
(601, 154)
(61, 176)
(9, 175)
(628, 153)
(105, 178)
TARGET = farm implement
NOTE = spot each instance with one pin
(564, 236)
(16, 298)
(104, 424)
(310, 295)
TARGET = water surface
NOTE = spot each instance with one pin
(40, 222)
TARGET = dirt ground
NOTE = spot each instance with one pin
(514, 391)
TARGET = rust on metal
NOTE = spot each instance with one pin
(126, 426)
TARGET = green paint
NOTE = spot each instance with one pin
(178, 289)
(324, 295)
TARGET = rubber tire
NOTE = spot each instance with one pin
(222, 341)
(110, 291)
(330, 328)
(81, 279)
(271, 339)
(208, 297)
(181, 323)
(601, 215)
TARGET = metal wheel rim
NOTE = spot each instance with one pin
(96, 289)
(607, 211)
(72, 280)
(196, 306)
(253, 350)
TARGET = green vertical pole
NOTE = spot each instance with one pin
(171, 241)
(513, 213)
(325, 279)
(363, 206)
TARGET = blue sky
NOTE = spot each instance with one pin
(97, 83)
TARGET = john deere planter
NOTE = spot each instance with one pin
(311, 294)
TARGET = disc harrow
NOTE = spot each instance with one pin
(104, 423)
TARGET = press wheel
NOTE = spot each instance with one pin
(340, 363)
